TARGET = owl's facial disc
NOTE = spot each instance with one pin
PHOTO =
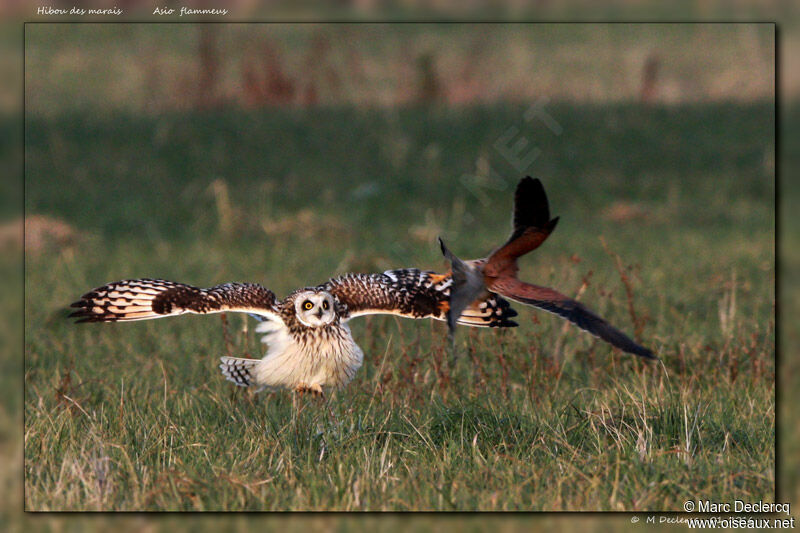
(315, 309)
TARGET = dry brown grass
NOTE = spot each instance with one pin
(40, 232)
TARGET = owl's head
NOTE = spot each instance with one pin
(314, 308)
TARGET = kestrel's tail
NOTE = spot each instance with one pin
(239, 371)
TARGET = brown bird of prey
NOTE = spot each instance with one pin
(497, 274)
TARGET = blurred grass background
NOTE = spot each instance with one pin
(403, 151)
(156, 68)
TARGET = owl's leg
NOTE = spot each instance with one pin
(226, 334)
(318, 394)
(299, 391)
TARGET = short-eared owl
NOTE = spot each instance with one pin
(309, 343)
(496, 275)
(310, 347)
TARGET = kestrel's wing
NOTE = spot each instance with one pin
(532, 225)
(575, 312)
(142, 299)
(414, 293)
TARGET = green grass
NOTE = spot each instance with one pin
(542, 417)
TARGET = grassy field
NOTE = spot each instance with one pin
(136, 416)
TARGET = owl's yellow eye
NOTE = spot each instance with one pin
(307, 305)
(325, 305)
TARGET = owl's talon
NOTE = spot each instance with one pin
(315, 390)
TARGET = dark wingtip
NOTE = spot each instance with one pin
(531, 190)
(82, 313)
(530, 183)
(531, 208)
(81, 309)
(81, 316)
(647, 354)
(637, 349)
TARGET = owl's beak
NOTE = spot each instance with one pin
(319, 313)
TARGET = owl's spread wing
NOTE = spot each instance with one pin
(414, 293)
(577, 313)
(142, 299)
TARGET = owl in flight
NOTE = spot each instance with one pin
(310, 347)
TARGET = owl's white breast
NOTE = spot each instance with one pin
(328, 357)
